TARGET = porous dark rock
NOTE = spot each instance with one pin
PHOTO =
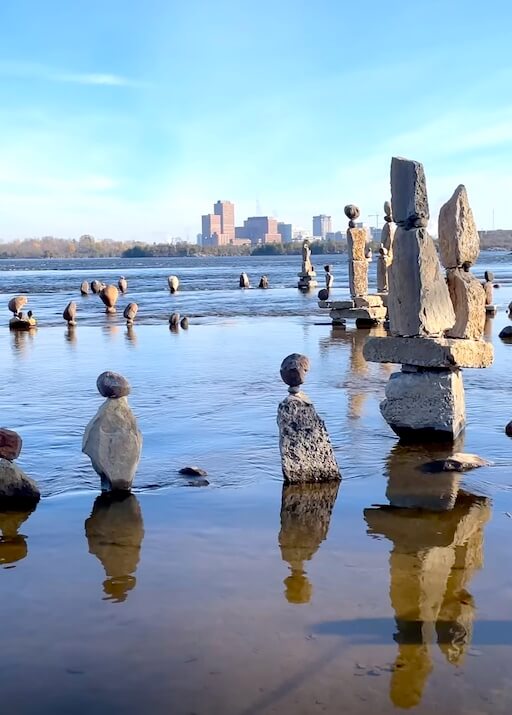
(112, 385)
(293, 371)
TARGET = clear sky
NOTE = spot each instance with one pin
(129, 118)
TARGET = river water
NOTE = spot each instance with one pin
(239, 596)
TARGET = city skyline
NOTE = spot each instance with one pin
(129, 134)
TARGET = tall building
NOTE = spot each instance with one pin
(259, 229)
(285, 229)
(226, 211)
(321, 226)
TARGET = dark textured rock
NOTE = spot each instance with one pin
(111, 384)
(506, 333)
(293, 370)
(193, 471)
(16, 489)
(184, 323)
(508, 429)
(263, 282)
(244, 281)
(174, 321)
(306, 452)
(10, 444)
(409, 193)
(323, 294)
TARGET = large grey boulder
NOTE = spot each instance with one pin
(468, 300)
(425, 405)
(16, 488)
(113, 443)
(409, 193)
(419, 301)
(459, 242)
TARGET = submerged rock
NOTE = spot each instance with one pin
(16, 488)
(193, 472)
(458, 462)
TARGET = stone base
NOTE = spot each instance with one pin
(307, 281)
(491, 309)
(22, 323)
(368, 301)
(425, 406)
(429, 352)
(374, 315)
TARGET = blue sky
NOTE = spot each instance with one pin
(129, 119)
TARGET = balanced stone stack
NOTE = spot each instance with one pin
(112, 439)
(488, 286)
(386, 250)
(17, 490)
(367, 310)
(306, 452)
(307, 275)
(431, 337)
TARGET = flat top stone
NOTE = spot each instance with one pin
(459, 242)
(111, 384)
(409, 193)
(429, 352)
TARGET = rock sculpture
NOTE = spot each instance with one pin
(263, 282)
(109, 295)
(307, 275)
(20, 321)
(84, 288)
(174, 321)
(244, 281)
(122, 284)
(96, 286)
(16, 304)
(174, 283)
(425, 401)
(306, 451)
(17, 490)
(112, 440)
(488, 286)
(184, 323)
(69, 313)
(114, 532)
(382, 270)
(329, 278)
(130, 313)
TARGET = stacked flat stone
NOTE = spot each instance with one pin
(17, 490)
(435, 324)
(366, 309)
(306, 452)
(112, 439)
(307, 275)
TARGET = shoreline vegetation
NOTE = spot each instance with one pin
(87, 246)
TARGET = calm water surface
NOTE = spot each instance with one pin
(241, 596)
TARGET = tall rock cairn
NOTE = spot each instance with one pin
(306, 452)
(425, 401)
(386, 249)
(357, 262)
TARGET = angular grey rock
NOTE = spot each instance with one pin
(306, 451)
(429, 352)
(468, 300)
(112, 385)
(293, 371)
(409, 193)
(427, 405)
(459, 242)
(16, 488)
(113, 443)
(419, 301)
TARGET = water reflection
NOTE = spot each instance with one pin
(131, 335)
(21, 339)
(115, 531)
(306, 511)
(437, 546)
(70, 334)
(13, 546)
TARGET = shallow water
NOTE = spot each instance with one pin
(241, 596)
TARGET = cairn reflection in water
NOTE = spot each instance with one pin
(115, 531)
(437, 546)
(306, 511)
(13, 545)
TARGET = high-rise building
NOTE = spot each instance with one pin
(285, 229)
(321, 226)
(226, 211)
(259, 229)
